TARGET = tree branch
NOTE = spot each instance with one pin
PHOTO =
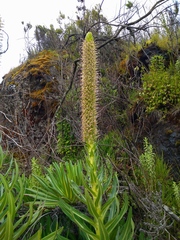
(123, 26)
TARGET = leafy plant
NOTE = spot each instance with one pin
(176, 191)
(158, 200)
(17, 217)
(66, 143)
(87, 184)
(57, 184)
(96, 185)
(147, 161)
(161, 88)
(11, 200)
(36, 171)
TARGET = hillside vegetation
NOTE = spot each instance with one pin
(90, 130)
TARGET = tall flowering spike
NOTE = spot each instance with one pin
(89, 90)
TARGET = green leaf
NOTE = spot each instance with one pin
(103, 233)
(71, 211)
(6, 186)
(53, 235)
(77, 217)
(106, 206)
(3, 214)
(20, 195)
(11, 205)
(111, 225)
(2, 230)
(15, 176)
(9, 227)
(84, 227)
(78, 192)
(37, 235)
(114, 209)
(128, 229)
(23, 228)
(3, 203)
(93, 210)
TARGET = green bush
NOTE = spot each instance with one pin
(159, 196)
(67, 146)
(161, 87)
(56, 183)
(18, 219)
(155, 175)
(36, 170)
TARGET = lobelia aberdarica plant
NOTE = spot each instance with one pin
(104, 219)
(104, 215)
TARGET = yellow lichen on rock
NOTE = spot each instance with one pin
(36, 67)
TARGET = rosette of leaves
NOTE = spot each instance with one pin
(16, 218)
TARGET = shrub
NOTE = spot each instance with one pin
(67, 146)
(161, 87)
(160, 200)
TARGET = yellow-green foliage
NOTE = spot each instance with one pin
(66, 144)
(14, 222)
(123, 66)
(147, 161)
(161, 87)
(36, 67)
(176, 191)
(36, 170)
(154, 175)
(160, 40)
(43, 65)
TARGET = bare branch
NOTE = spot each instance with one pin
(155, 6)
(5, 116)
(123, 26)
(71, 81)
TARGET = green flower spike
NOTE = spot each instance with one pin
(89, 91)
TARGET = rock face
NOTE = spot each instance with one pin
(29, 96)
(163, 133)
(166, 139)
(141, 60)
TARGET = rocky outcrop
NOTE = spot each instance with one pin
(138, 62)
(163, 132)
(166, 139)
(29, 97)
